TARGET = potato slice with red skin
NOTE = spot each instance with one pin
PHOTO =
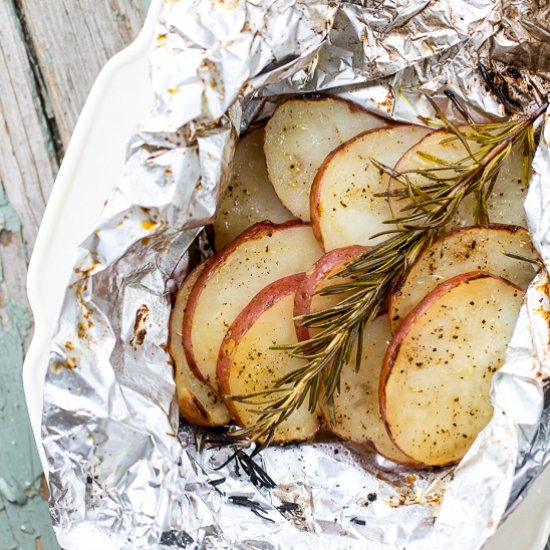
(249, 197)
(435, 381)
(476, 248)
(298, 137)
(504, 205)
(344, 208)
(317, 278)
(357, 406)
(247, 364)
(198, 402)
(262, 254)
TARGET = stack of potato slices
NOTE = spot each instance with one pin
(304, 199)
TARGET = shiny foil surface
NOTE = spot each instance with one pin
(123, 474)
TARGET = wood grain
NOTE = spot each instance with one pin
(50, 55)
(72, 40)
(28, 157)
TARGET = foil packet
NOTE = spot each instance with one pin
(122, 472)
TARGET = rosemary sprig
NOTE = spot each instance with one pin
(367, 281)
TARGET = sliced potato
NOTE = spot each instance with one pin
(248, 364)
(298, 137)
(434, 386)
(344, 209)
(477, 248)
(262, 254)
(308, 300)
(356, 407)
(249, 197)
(198, 402)
(505, 204)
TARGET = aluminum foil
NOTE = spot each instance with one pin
(122, 472)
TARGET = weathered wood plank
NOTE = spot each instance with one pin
(28, 163)
(73, 39)
(27, 167)
(49, 59)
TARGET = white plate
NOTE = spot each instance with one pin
(93, 162)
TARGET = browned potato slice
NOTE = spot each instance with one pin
(198, 403)
(505, 205)
(356, 407)
(298, 137)
(434, 386)
(477, 248)
(249, 197)
(307, 299)
(248, 364)
(344, 209)
(262, 254)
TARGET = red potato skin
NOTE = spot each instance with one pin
(266, 298)
(192, 410)
(323, 266)
(254, 232)
(500, 226)
(353, 107)
(315, 206)
(302, 306)
(421, 140)
(190, 407)
(406, 325)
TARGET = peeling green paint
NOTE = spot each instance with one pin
(9, 220)
(48, 59)
(25, 252)
(24, 517)
(12, 491)
(145, 5)
(23, 513)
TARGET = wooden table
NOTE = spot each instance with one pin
(50, 55)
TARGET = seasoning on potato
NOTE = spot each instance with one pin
(389, 339)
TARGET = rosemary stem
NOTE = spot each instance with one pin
(498, 149)
(371, 277)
